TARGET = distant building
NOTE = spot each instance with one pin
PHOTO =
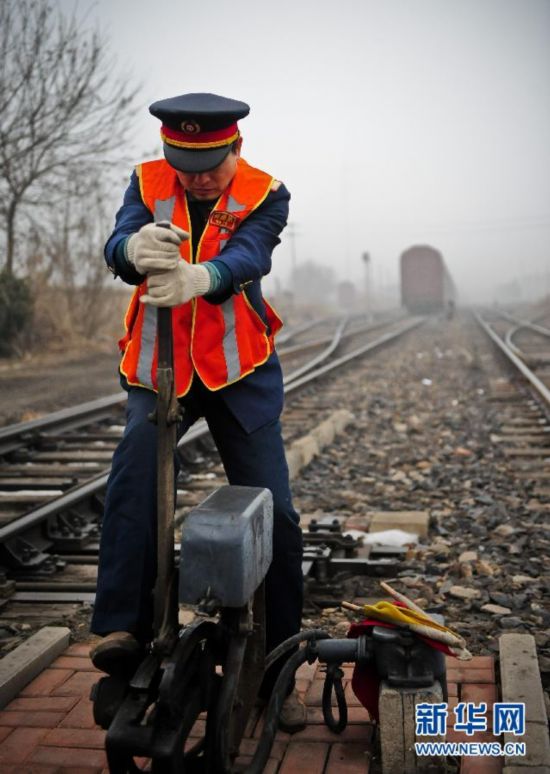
(347, 295)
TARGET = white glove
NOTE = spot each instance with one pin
(177, 286)
(154, 248)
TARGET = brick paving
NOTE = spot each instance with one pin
(474, 681)
(49, 727)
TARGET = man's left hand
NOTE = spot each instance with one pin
(177, 286)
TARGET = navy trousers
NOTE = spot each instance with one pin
(127, 560)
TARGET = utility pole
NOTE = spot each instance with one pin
(292, 234)
(365, 257)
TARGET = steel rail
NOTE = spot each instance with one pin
(519, 324)
(314, 343)
(199, 430)
(78, 493)
(539, 386)
(19, 435)
(327, 352)
(526, 324)
(299, 329)
(15, 436)
(525, 356)
(299, 382)
(537, 328)
(510, 344)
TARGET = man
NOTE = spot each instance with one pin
(225, 217)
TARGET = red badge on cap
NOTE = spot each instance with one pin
(190, 127)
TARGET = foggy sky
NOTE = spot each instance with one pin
(392, 122)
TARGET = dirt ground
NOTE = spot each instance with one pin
(37, 385)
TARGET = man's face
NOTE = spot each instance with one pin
(210, 185)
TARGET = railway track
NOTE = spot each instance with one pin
(54, 470)
(430, 435)
(522, 342)
(523, 435)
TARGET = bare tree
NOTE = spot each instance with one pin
(62, 260)
(63, 114)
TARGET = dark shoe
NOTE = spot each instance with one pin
(293, 715)
(119, 653)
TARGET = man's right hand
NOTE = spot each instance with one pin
(155, 248)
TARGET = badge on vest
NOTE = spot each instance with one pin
(224, 220)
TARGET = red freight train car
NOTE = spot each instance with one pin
(425, 283)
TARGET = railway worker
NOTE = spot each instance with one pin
(226, 219)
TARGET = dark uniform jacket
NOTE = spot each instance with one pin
(257, 398)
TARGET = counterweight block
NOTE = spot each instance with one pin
(226, 546)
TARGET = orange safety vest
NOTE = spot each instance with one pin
(221, 342)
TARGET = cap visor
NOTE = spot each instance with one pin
(195, 160)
